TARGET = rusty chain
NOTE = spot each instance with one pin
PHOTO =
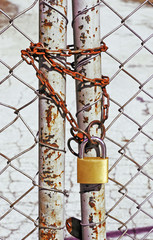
(31, 54)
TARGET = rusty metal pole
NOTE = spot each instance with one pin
(53, 27)
(86, 26)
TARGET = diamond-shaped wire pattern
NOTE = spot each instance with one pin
(126, 28)
(129, 130)
(18, 126)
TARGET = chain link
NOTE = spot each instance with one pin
(39, 49)
(31, 54)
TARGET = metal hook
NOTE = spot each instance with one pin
(96, 139)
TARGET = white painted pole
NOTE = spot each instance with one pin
(86, 25)
(52, 127)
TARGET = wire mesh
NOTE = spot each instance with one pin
(129, 133)
(126, 28)
(18, 164)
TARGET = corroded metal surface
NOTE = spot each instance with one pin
(86, 25)
(52, 127)
(31, 54)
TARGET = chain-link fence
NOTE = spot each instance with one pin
(127, 30)
(129, 132)
(19, 123)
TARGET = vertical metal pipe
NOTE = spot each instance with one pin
(52, 127)
(86, 25)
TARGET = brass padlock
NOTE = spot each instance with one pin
(92, 170)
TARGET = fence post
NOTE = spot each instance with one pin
(86, 25)
(53, 27)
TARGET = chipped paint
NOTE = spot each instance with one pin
(83, 37)
(51, 125)
(47, 24)
(88, 36)
(91, 202)
(87, 18)
(81, 27)
(85, 119)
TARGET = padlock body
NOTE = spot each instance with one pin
(92, 170)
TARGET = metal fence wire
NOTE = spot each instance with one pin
(127, 30)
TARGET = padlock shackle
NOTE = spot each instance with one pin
(96, 139)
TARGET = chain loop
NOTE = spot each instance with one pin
(36, 50)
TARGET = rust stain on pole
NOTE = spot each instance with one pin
(86, 26)
(53, 26)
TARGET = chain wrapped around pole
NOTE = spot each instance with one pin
(55, 61)
(53, 34)
(86, 27)
(32, 54)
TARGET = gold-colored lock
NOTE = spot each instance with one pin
(92, 170)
